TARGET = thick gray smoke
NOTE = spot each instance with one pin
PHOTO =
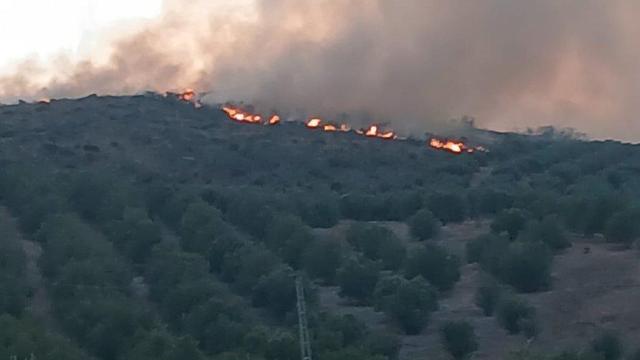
(413, 63)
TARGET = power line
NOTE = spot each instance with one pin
(305, 342)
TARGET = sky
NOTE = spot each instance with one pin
(38, 29)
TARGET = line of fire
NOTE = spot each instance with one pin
(237, 114)
(240, 115)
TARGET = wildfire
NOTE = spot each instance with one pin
(453, 146)
(374, 131)
(317, 123)
(188, 95)
(314, 123)
(239, 115)
(274, 120)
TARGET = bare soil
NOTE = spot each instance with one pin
(591, 292)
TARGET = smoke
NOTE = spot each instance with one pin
(413, 63)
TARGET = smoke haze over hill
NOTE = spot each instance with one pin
(415, 63)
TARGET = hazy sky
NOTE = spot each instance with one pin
(43, 28)
(512, 64)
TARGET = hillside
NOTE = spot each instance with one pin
(140, 227)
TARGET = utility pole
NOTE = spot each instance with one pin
(305, 341)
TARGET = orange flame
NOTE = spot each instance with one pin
(452, 146)
(188, 95)
(274, 120)
(374, 131)
(314, 123)
(317, 123)
(455, 147)
(44, 101)
(238, 115)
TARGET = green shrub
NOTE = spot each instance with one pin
(548, 231)
(488, 297)
(424, 225)
(459, 339)
(608, 346)
(323, 259)
(288, 237)
(488, 250)
(276, 291)
(623, 227)
(513, 313)
(511, 221)
(411, 305)
(377, 243)
(448, 207)
(357, 279)
(527, 267)
(434, 264)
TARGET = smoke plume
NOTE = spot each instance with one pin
(413, 63)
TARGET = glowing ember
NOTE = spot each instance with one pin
(455, 147)
(374, 131)
(239, 115)
(314, 123)
(274, 120)
(387, 135)
(329, 128)
(188, 95)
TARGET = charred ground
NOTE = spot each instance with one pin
(162, 223)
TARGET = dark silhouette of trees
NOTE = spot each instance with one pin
(488, 296)
(608, 346)
(408, 302)
(377, 243)
(515, 315)
(459, 339)
(323, 259)
(448, 207)
(357, 279)
(434, 264)
(511, 221)
(424, 225)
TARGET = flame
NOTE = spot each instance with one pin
(317, 123)
(188, 95)
(274, 120)
(239, 115)
(456, 147)
(44, 101)
(314, 123)
(374, 131)
(453, 146)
